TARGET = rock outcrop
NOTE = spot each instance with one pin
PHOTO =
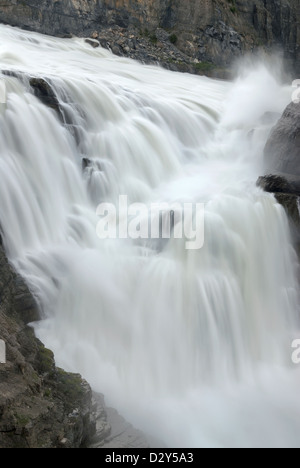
(206, 31)
(286, 190)
(40, 405)
(282, 151)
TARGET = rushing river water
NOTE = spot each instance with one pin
(192, 346)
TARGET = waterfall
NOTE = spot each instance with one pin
(192, 346)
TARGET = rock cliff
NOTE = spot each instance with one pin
(40, 405)
(206, 31)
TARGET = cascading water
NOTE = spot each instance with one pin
(192, 346)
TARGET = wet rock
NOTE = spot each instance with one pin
(24, 303)
(86, 162)
(282, 151)
(40, 87)
(44, 92)
(114, 431)
(287, 191)
(40, 405)
(276, 184)
(282, 158)
(93, 42)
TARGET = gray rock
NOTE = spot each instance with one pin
(44, 92)
(113, 431)
(287, 191)
(40, 405)
(282, 151)
(93, 42)
(279, 184)
(40, 87)
(214, 31)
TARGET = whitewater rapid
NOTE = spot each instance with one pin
(193, 347)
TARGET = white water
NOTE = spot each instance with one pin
(193, 347)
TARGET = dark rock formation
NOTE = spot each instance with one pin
(209, 31)
(282, 151)
(280, 184)
(282, 160)
(40, 405)
(112, 431)
(287, 191)
(155, 47)
(45, 93)
(40, 87)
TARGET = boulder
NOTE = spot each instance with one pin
(287, 191)
(282, 151)
(211, 31)
(275, 183)
(93, 43)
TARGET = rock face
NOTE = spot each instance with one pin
(282, 152)
(213, 31)
(282, 164)
(40, 405)
(286, 191)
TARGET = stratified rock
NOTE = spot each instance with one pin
(213, 32)
(282, 151)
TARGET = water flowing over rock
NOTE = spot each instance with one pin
(287, 191)
(192, 346)
(282, 151)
